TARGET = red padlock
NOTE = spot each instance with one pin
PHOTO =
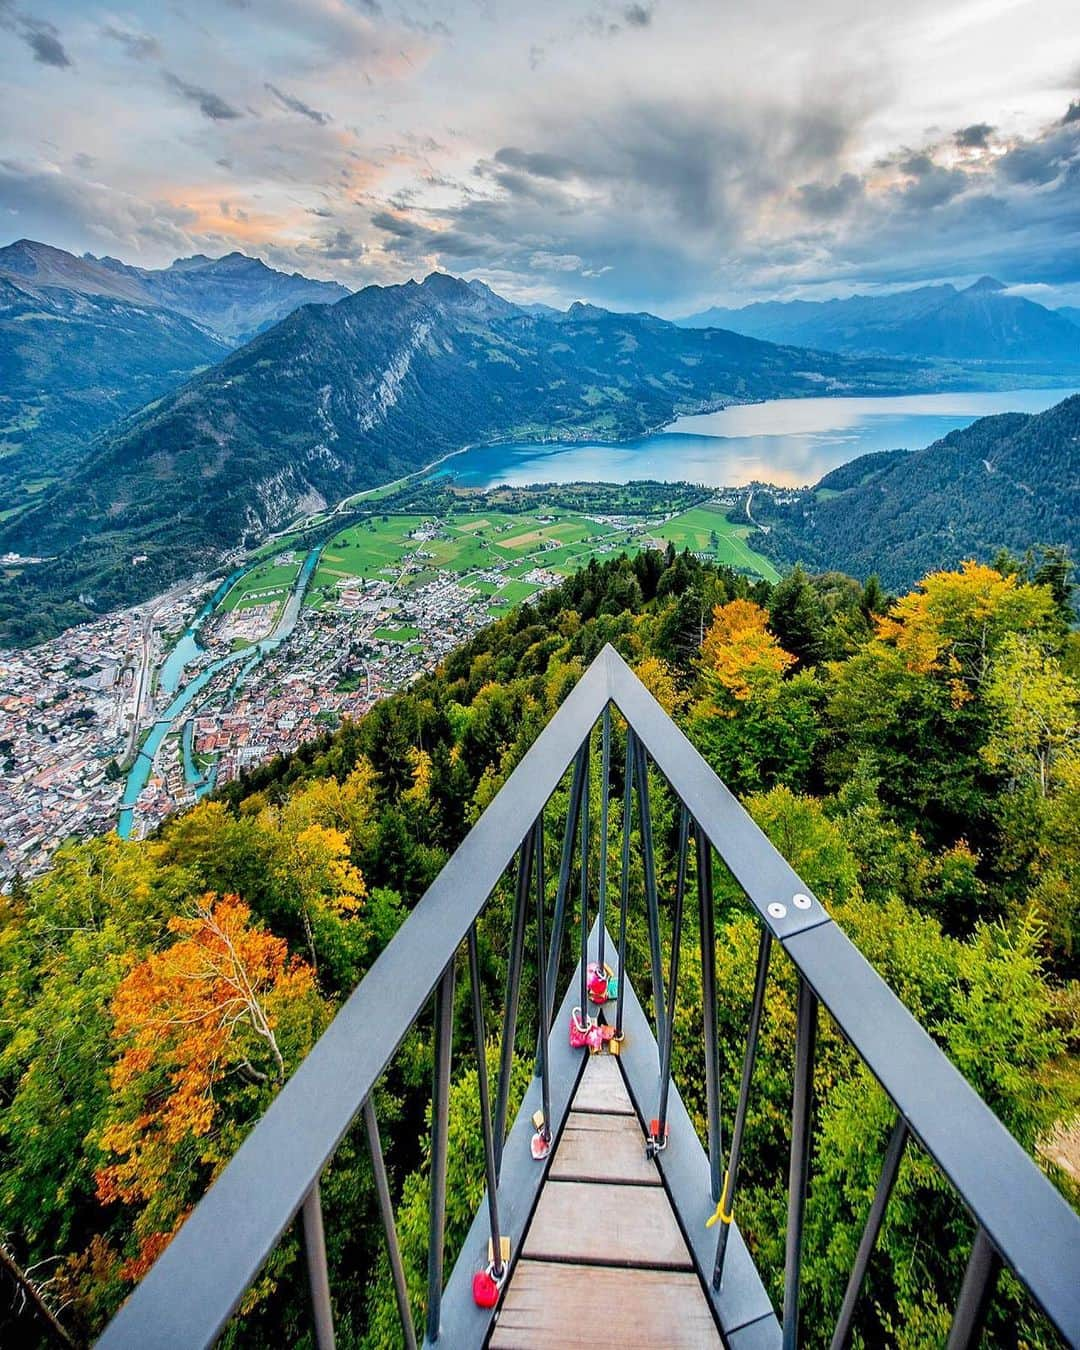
(597, 983)
(540, 1145)
(485, 1290)
(579, 1030)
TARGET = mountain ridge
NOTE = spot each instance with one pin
(1011, 480)
(980, 323)
(338, 398)
(235, 295)
(72, 364)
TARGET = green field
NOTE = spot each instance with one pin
(510, 543)
(695, 530)
(264, 585)
(406, 633)
(514, 592)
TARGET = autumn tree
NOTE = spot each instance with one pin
(912, 700)
(755, 726)
(208, 1028)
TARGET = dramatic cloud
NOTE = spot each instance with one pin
(211, 105)
(297, 105)
(139, 46)
(830, 199)
(637, 153)
(975, 137)
(42, 37)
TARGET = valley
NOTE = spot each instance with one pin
(122, 721)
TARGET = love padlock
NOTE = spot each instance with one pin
(597, 983)
(579, 1030)
(595, 1039)
(485, 1290)
(540, 1144)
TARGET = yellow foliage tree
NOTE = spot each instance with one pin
(740, 652)
(953, 622)
(659, 679)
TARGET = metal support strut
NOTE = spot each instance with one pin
(440, 1110)
(891, 1166)
(386, 1210)
(801, 1110)
(513, 992)
(484, 1094)
(726, 1208)
(318, 1275)
(658, 1137)
(707, 926)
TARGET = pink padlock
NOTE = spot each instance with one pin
(579, 1031)
(597, 983)
(595, 1038)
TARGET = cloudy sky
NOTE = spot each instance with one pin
(660, 154)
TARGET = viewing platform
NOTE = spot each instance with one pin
(607, 1213)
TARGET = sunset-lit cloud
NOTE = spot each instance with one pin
(661, 155)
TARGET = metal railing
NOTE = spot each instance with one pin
(1021, 1221)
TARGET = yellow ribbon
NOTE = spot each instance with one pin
(720, 1214)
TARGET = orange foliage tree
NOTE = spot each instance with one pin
(201, 1026)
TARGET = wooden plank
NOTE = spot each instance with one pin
(596, 1147)
(602, 1087)
(549, 1306)
(611, 1225)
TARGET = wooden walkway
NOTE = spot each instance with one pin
(603, 1261)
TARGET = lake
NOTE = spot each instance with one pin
(790, 442)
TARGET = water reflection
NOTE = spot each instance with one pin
(786, 441)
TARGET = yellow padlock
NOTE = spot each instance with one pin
(504, 1251)
(615, 1046)
(538, 1120)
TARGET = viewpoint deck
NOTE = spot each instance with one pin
(603, 1254)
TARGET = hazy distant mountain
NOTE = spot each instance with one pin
(340, 397)
(236, 296)
(979, 324)
(73, 363)
(1071, 313)
(1007, 481)
(85, 341)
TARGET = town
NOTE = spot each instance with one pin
(117, 723)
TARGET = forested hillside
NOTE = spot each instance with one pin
(1002, 482)
(341, 397)
(72, 365)
(918, 762)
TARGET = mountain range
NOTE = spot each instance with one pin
(235, 296)
(85, 341)
(982, 323)
(339, 397)
(1008, 481)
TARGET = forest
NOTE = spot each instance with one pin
(915, 757)
(1004, 480)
